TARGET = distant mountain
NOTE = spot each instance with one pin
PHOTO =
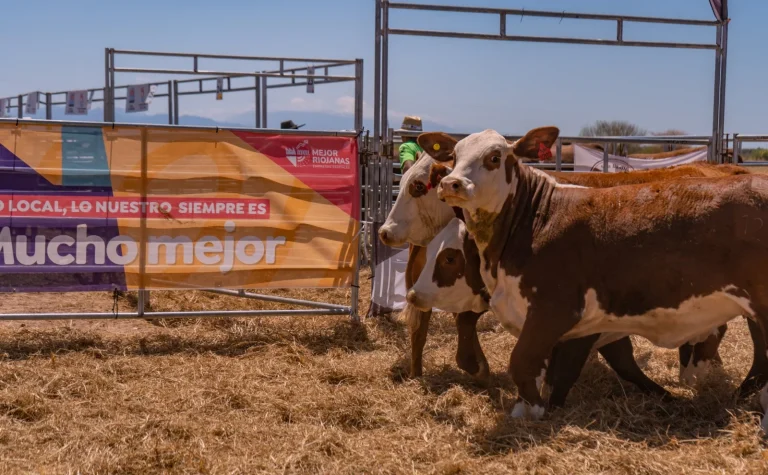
(313, 120)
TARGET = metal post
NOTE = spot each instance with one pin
(605, 158)
(170, 102)
(106, 84)
(377, 82)
(559, 155)
(143, 224)
(723, 69)
(353, 311)
(176, 102)
(264, 102)
(257, 100)
(20, 103)
(736, 151)
(48, 106)
(359, 95)
(716, 103)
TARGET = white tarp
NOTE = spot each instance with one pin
(591, 160)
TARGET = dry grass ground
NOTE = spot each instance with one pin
(321, 395)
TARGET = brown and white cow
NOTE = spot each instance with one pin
(669, 260)
(418, 215)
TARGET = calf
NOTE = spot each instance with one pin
(452, 280)
(572, 262)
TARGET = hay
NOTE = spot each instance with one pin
(321, 395)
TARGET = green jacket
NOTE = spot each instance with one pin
(409, 151)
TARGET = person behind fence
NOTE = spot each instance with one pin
(409, 149)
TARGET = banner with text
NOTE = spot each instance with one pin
(591, 160)
(93, 208)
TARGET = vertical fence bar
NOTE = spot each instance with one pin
(48, 106)
(143, 224)
(723, 70)
(559, 155)
(264, 102)
(605, 158)
(20, 104)
(175, 102)
(170, 102)
(257, 100)
(716, 100)
(736, 151)
(353, 310)
(106, 84)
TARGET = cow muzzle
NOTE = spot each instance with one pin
(417, 301)
(389, 237)
(454, 190)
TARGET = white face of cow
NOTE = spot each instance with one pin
(417, 215)
(445, 281)
(485, 170)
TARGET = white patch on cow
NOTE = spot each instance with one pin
(523, 410)
(569, 185)
(458, 297)
(417, 220)
(692, 373)
(508, 303)
(480, 188)
(665, 327)
(764, 405)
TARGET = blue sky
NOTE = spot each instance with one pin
(468, 85)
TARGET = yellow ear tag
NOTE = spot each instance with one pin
(436, 147)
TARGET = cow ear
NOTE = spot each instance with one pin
(536, 140)
(437, 172)
(438, 145)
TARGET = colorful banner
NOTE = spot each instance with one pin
(81, 209)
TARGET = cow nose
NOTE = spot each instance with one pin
(385, 235)
(453, 184)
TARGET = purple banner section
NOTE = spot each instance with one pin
(45, 254)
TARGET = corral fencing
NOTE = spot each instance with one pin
(381, 168)
(93, 206)
(298, 151)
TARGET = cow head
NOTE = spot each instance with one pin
(417, 215)
(451, 278)
(486, 165)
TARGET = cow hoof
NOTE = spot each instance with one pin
(523, 410)
(694, 373)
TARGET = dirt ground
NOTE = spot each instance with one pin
(323, 395)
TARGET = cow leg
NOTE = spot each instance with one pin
(469, 353)
(620, 357)
(696, 360)
(758, 373)
(534, 346)
(418, 324)
(568, 359)
(760, 309)
(418, 321)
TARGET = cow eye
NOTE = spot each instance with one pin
(420, 186)
(449, 259)
(495, 159)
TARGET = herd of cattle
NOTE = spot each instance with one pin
(571, 262)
